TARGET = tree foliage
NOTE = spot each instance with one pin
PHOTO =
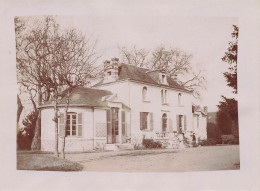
(177, 64)
(231, 58)
(227, 115)
(26, 134)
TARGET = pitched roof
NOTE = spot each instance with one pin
(82, 96)
(130, 72)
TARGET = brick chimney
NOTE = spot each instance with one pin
(205, 108)
(111, 70)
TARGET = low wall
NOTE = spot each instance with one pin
(75, 144)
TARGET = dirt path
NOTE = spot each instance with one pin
(191, 159)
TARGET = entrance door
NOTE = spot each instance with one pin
(112, 126)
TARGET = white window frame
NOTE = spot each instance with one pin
(180, 99)
(164, 96)
(145, 97)
(70, 125)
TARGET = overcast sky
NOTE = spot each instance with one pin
(205, 37)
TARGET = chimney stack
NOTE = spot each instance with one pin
(111, 70)
(205, 108)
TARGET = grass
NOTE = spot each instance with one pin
(46, 162)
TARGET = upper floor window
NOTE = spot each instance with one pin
(179, 99)
(164, 96)
(145, 96)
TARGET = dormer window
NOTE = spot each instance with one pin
(163, 79)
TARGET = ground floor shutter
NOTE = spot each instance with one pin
(185, 122)
(80, 124)
(151, 121)
(123, 123)
(170, 125)
(177, 123)
(61, 125)
(141, 121)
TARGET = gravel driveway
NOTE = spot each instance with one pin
(189, 159)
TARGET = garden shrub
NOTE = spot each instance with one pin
(25, 135)
(208, 142)
(151, 144)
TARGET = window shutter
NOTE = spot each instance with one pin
(80, 123)
(141, 120)
(123, 123)
(185, 122)
(177, 123)
(162, 98)
(170, 124)
(61, 125)
(151, 121)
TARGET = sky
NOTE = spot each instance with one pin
(206, 38)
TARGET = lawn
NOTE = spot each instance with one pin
(37, 161)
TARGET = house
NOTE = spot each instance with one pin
(127, 105)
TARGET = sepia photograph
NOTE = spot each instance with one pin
(130, 95)
(115, 95)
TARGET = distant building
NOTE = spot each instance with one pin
(128, 104)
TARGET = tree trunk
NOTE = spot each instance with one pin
(36, 143)
(56, 148)
(63, 141)
(64, 129)
(19, 108)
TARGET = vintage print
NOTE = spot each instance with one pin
(125, 93)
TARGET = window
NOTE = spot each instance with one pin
(146, 121)
(164, 96)
(179, 99)
(164, 122)
(71, 128)
(109, 73)
(145, 98)
(163, 79)
(181, 123)
(74, 124)
(115, 121)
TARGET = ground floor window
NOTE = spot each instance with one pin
(71, 128)
(146, 121)
(164, 122)
(181, 123)
(74, 124)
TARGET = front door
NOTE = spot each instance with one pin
(112, 126)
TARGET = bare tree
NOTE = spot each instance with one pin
(177, 64)
(134, 56)
(53, 60)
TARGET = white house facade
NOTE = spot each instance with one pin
(127, 105)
